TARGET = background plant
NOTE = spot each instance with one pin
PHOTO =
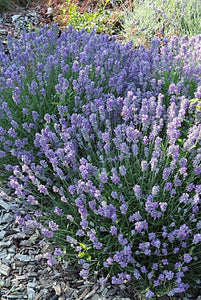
(144, 19)
(138, 21)
(99, 18)
(9, 4)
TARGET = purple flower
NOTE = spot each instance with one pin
(103, 177)
(187, 258)
(141, 225)
(58, 211)
(75, 66)
(58, 252)
(113, 230)
(71, 240)
(135, 217)
(155, 266)
(136, 274)
(114, 195)
(123, 241)
(122, 170)
(85, 266)
(144, 165)
(121, 161)
(105, 264)
(84, 273)
(155, 190)
(144, 269)
(166, 173)
(124, 208)
(71, 189)
(47, 233)
(31, 199)
(102, 281)
(53, 226)
(168, 274)
(80, 232)
(149, 294)
(163, 206)
(156, 283)
(176, 250)
(115, 179)
(42, 189)
(51, 262)
(12, 132)
(84, 224)
(197, 238)
(137, 191)
(165, 262)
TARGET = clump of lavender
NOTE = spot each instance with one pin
(113, 168)
(43, 71)
(126, 198)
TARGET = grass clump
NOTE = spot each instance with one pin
(146, 19)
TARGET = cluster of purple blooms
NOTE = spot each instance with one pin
(108, 140)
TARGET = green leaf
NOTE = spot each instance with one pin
(81, 254)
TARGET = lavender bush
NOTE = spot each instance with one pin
(104, 143)
(144, 19)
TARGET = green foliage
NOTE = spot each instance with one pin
(101, 19)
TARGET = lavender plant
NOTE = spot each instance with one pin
(142, 20)
(103, 142)
(123, 199)
(42, 71)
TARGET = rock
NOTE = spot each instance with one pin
(49, 11)
(5, 270)
(3, 204)
(69, 292)
(5, 244)
(55, 297)
(11, 250)
(17, 297)
(2, 234)
(7, 260)
(2, 282)
(57, 289)
(7, 218)
(3, 253)
(96, 297)
(32, 284)
(32, 14)
(15, 17)
(23, 258)
(38, 296)
(22, 277)
(90, 294)
(120, 298)
(31, 293)
(31, 275)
